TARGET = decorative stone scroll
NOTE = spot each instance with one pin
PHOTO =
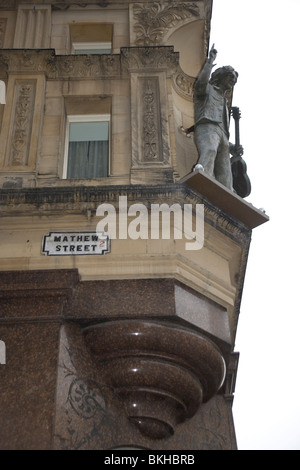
(155, 19)
(183, 84)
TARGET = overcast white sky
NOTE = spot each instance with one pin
(261, 40)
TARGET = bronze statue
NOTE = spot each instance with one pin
(211, 129)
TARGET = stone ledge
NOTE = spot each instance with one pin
(225, 199)
(81, 198)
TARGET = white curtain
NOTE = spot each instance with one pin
(88, 159)
(2, 92)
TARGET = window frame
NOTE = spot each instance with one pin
(77, 46)
(85, 118)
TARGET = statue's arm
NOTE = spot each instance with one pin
(204, 76)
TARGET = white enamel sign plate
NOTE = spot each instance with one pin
(75, 243)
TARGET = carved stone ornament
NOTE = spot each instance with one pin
(137, 58)
(25, 92)
(151, 122)
(103, 66)
(153, 20)
(84, 66)
(61, 67)
(163, 58)
(161, 371)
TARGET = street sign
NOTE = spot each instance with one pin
(75, 243)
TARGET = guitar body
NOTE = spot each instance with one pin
(241, 182)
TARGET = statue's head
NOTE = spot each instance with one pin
(225, 76)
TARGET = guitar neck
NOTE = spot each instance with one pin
(237, 132)
(236, 116)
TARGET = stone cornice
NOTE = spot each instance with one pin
(60, 67)
(56, 199)
(65, 4)
(83, 67)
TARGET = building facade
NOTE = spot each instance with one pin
(125, 341)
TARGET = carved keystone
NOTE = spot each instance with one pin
(161, 371)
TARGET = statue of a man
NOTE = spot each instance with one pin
(211, 130)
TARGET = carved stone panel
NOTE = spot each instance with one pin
(151, 139)
(22, 126)
(3, 24)
(150, 133)
(22, 122)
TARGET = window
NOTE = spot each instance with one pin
(91, 48)
(91, 38)
(87, 147)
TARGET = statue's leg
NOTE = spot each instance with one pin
(207, 140)
(222, 169)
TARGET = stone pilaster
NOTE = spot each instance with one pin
(33, 27)
(20, 134)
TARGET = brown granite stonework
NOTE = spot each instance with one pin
(155, 298)
(89, 415)
(56, 389)
(31, 304)
(28, 385)
(144, 361)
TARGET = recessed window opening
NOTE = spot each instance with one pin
(91, 38)
(87, 147)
